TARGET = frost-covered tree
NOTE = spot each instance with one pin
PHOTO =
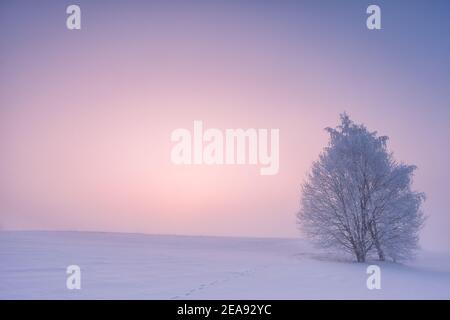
(396, 221)
(359, 199)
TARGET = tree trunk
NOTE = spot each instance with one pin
(380, 252)
(360, 257)
(376, 241)
(381, 255)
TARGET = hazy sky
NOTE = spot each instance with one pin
(86, 115)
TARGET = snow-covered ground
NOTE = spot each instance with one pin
(134, 266)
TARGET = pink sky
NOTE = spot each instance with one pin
(86, 116)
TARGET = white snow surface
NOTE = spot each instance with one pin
(137, 266)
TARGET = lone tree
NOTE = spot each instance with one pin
(357, 198)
